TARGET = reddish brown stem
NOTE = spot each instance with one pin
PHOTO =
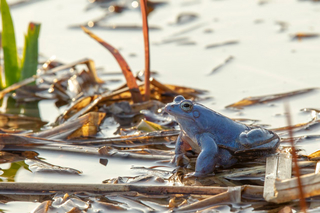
(143, 6)
(131, 80)
(303, 204)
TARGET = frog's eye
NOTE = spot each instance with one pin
(186, 106)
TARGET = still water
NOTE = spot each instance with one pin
(266, 60)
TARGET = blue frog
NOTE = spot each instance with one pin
(219, 140)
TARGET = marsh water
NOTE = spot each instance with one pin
(258, 35)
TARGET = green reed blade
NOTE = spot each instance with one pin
(11, 73)
(30, 52)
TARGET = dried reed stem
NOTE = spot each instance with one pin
(303, 205)
(145, 28)
(22, 187)
(131, 81)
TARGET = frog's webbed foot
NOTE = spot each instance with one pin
(180, 160)
(197, 175)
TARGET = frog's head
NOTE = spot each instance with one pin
(183, 109)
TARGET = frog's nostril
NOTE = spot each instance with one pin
(172, 106)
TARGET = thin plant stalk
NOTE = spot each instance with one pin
(143, 6)
(302, 200)
(131, 81)
(1, 68)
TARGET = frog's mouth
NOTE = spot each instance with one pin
(170, 109)
(179, 116)
(166, 109)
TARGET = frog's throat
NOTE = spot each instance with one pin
(190, 118)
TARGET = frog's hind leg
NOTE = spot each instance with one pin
(270, 147)
(226, 159)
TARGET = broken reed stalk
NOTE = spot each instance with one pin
(302, 200)
(22, 187)
(145, 28)
(219, 198)
(248, 101)
(26, 81)
(131, 80)
(231, 196)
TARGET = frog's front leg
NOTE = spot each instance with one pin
(180, 158)
(208, 157)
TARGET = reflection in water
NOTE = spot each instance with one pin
(119, 6)
(19, 115)
(112, 8)
(9, 174)
(29, 161)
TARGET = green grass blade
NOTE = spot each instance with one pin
(1, 65)
(11, 66)
(30, 52)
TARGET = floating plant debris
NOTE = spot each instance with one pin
(171, 40)
(221, 44)
(50, 77)
(187, 43)
(226, 61)
(300, 36)
(41, 166)
(267, 98)
(189, 29)
(113, 26)
(314, 120)
(185, 17)
(283, 25)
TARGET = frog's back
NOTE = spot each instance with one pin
(224, 130)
